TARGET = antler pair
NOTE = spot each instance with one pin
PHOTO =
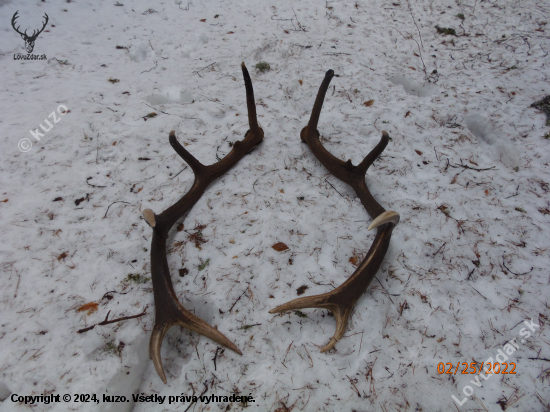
(342, 299)
(29, 40)
(168, 310)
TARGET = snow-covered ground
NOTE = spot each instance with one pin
(467, 169)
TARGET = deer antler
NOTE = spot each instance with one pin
(342, 299)
(168, 310)
(13, 19)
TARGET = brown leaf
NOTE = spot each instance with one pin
(89, 307)
(5, 200)
(279, 247)
(353, 260)
(302, 289)
(230, 32)
(301, 82)
(369, 103)
(408, 113)
(412, 68)
(180, 227)
(203, 20)
(419, 152)
(62, 256)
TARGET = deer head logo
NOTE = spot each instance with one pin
(29, 40)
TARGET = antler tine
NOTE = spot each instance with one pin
(342, 299)
(168, 310)
(13, 19)
(250, 103)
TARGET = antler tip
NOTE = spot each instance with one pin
(386, 217)
(149, 217)
(329, 345)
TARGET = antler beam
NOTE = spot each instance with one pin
(342, 299)
(168, 310)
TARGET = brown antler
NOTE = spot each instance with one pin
(168, 310)
(342, 299)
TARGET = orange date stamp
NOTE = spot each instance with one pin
(473, 368)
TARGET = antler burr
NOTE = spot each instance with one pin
(168, 310)
(342, 299)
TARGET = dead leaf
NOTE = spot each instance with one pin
(89, 307)
(5, 200)
(369, 103)
(412, 68)
(180, 227)
(302, 289)
(408, 113)
(419, 152)
(301, 82)
(230, 32)
(353, 260)
(62, 256)
(203, 20)
(279, 247)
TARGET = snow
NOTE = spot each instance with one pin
(466, 168)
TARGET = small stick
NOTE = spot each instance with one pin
(440, 248)
(333, 188)
(239, 298)
(118, 201)
(106, 322)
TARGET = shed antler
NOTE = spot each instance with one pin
(342, 299)
(168, 310)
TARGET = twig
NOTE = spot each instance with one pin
(118, 201)
(18, 280)
(478, 292)
(440, 248)
(517, 274)
(239, 298)
(334, 188)
(216, 356)
(414, 21)
(468, 167)
(152, 68)
(203, 392)
(205, 67)
(89, 184)
(106, 322)
(178, 173)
